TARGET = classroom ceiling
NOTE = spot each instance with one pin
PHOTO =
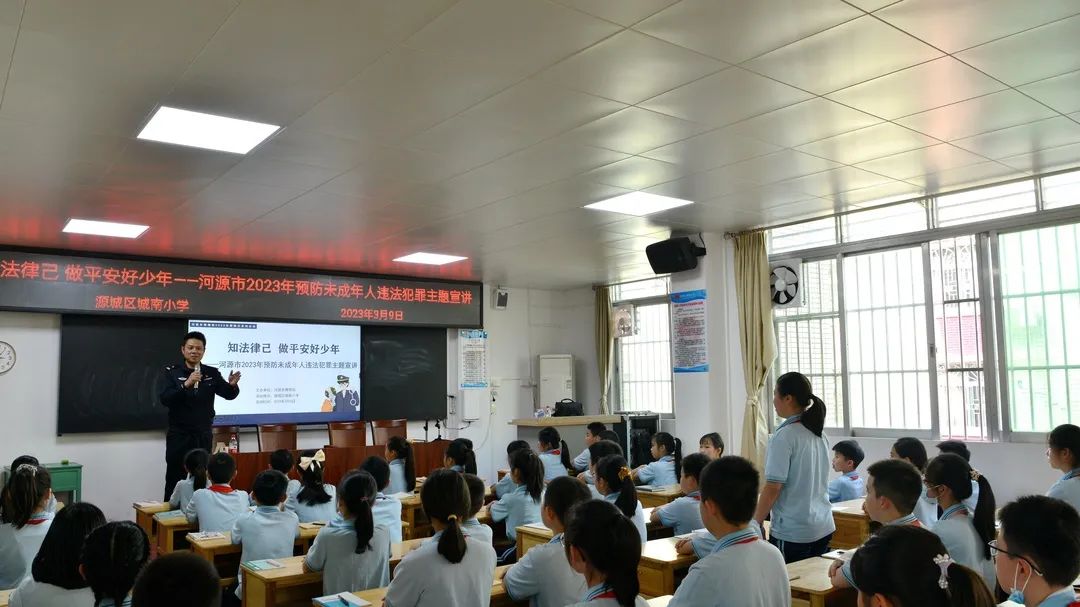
(481, 127)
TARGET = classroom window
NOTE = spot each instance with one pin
(986, 203)
(806, 235)
(1061, 190)
(883, 221)
(642, 380)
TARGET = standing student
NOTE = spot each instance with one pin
(907, 566)
(554, 454)
(453, 570)
(352, 551)
(399, 454)
(177, 579)
(282, 461)
(847, 455)
(506, 484)
(1063, 453)
(195, 463)
(592, 434)
(472, 527)
(742, 568)
(959, 448)
(25, 519)
(217, 507)
(522, 505)
(55, 579)
(269, 532)
(913, 452)
(1037, 551)
(601, 545)
(797, 473)
(667, 451)
(543, 575)
(460, 457)
(316, 500)
(966, 534)
(385, 509)
(112, 557)
(684, 514)
(711, 445)
(615, 484)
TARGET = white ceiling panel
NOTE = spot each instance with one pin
(979, 115)
(624, 12)
(827, 184)
(1023, 139)
(542, 109)
(633, 130)
(802, 123)
(869, 143)
(1035, 54)
(921, 161)
(636, 173)
(779, 166)
(1061, 93)
(969, 176)
(711, 150)
(1041, 161)
(726, 97)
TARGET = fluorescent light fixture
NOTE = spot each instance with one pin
(638, 203)
(104, 228)
(195, 129)
(431, 259)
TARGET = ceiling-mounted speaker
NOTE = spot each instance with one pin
(673, 255)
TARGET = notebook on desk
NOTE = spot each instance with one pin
(342, 599)
(263, 565)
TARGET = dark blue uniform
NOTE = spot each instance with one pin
(191, 415)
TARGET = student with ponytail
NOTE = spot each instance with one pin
(1063, 453)
(55, 578)
(402, 467)
(25, 521)
(912, 451)
(453, 570)
(521, 506)
(195, 463)
(554, 454)
(460, 457)
(666, 470)
(601, 545)
(907, 566)
(797, 467)
(387, 509)
(616, 484)
(966, 534)
(352, 551)
(506, 484)
(316, 500)
(112, 557)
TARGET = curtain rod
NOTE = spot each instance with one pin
(628, 282)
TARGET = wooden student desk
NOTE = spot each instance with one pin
(852, 524)
(171, 533)
(660, 601)
(811, 586)
(399, 550)
(219, 550)
(666, 495)
(660, 566)
(288, 585)
(4, 594)
(144, 516)
(499, 598)
(536, 535)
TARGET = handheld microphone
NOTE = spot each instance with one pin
(198, 369)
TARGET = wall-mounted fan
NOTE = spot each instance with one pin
(622, 318)
(785, 284)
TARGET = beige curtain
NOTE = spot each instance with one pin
(605, 343)
(756, 337)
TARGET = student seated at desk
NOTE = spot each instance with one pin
(460, 456)
(269, 532)
(543, 575)
(893, 488)
(711, 446)
(399, 455)
(473, 527)
(282, 461)
(554, 454)
(316, 500)
(1063, 452)
(667, 451)
(1037, 551)
(112, 558)
(598, 451)
(912, 451)
(522, 505)
(217, 507)
(385, 509)
(452, 571)
(18, 461)
(614, 482)
(25, 519)
(966, 534)
(907, 566)
(743, 569)
(601, 545)
(847, 455)
(592, 435)
(506, 484)
(959, 448)
(195, 463)
(353, 552)
(55, 580)
(684, 514)
(177, 579)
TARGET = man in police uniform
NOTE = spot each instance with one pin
(187, 390)
(346, 399)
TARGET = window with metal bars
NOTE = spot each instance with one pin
(642, 379)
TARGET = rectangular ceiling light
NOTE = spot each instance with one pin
(104, 228)
(431, 259)
(195, 129)
(638, 203)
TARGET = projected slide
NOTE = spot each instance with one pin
(295, 373)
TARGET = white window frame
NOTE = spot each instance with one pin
(616, 384)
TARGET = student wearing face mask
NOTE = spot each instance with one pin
(1037, 551)
(913, 452)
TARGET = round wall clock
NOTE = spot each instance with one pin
(7, 357)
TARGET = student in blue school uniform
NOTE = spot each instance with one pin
(477, 493)
(385, 509)
(25, 521)
(601, 544)
(592, 434)
(667, 451)
(195, 463)
(1063, 453)
(614, 483)
(711, 446)
(454, 570)
(554, 454)
(684, 514)
(506, 484)
(959, 448)
(847, 456)
(609, 438)
(177, 579)
(966, 534)
(269, 532)
(399, 454)
(912, 451)
(217, 507)
(352, 551)
(55, 580)
(316, 500)
(282, 461)
(18, 461)
(543, 576)
(112, 557)
(743, 569)
(796, 489)
(907, 566)
(460, 456)
(522, 505)
(1037, 551)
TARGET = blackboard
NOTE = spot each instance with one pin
(404, 373)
